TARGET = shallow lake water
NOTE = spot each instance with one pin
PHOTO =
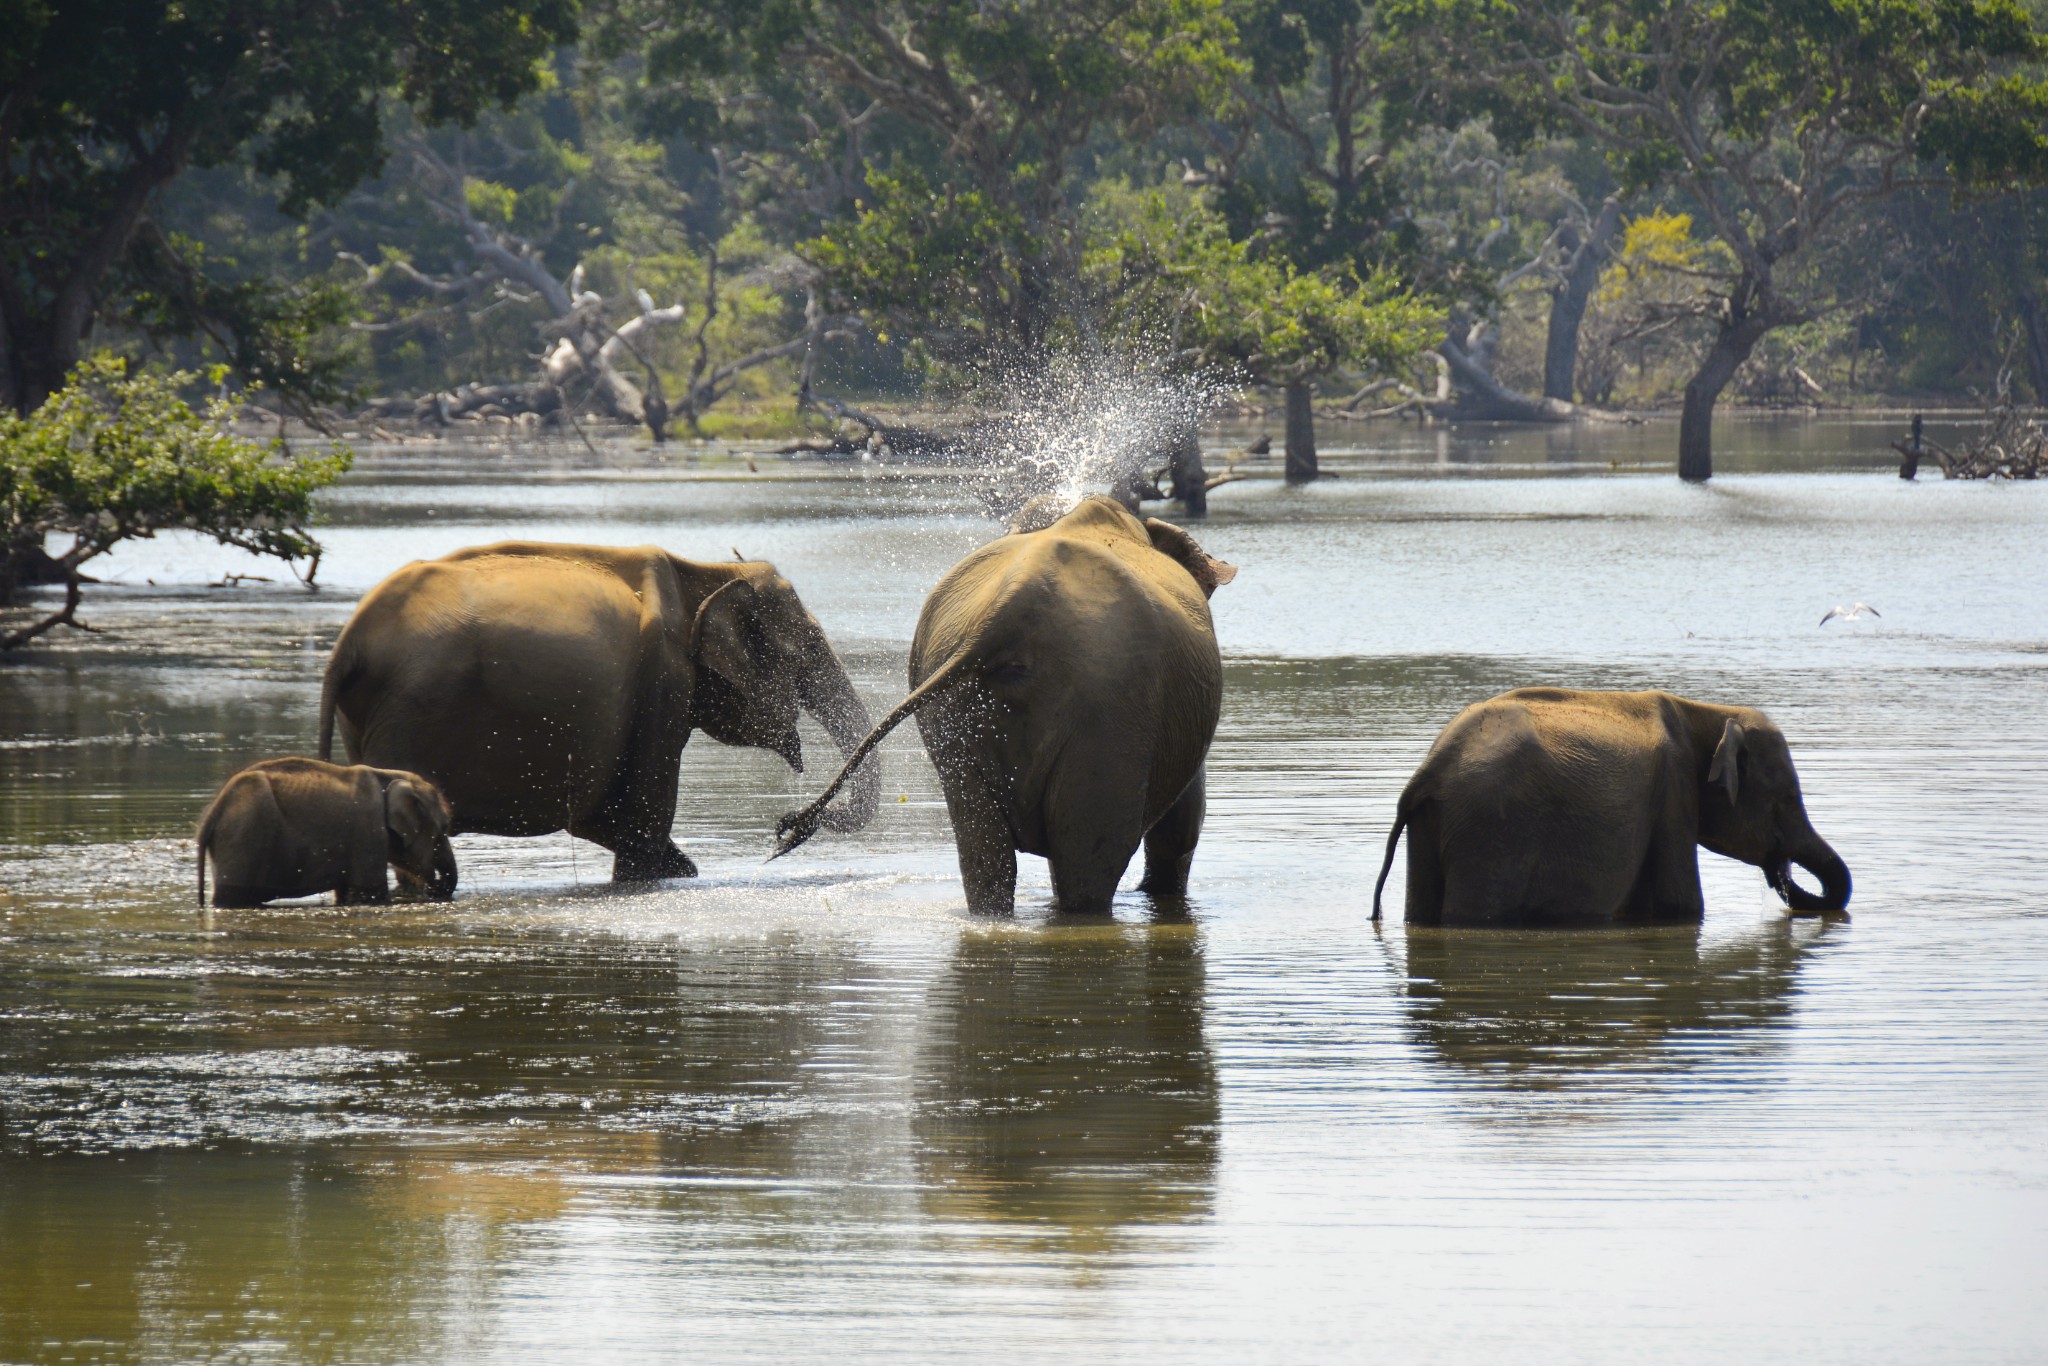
(812, 1111)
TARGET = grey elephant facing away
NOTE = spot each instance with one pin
(1066, 682)
(552, 687)
(1551, 806)
(298, 827)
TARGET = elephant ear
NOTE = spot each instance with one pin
(1208, 571)
(719, 635)
(1727, 766)
(412, 808)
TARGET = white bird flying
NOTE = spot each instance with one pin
(1850, 613)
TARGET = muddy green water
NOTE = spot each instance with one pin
(813, 1112)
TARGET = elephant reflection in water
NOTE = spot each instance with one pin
(1537, 1009)
(1065, 1080)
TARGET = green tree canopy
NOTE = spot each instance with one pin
(108, 101)
(1172, 271)
(995, 99)
(1774, 121)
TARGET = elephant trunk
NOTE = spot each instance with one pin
(1814, 855)
(827, 693)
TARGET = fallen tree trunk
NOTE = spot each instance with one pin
(540, 398)
(1476, 396)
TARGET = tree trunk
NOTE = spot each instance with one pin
(25, 564)
(1190, 481)
(38, 361)
(1568, 304)
(1696, 418)
(1301, 433)
(2037, 344)
(44, 340)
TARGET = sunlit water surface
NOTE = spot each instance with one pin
(811, 1111)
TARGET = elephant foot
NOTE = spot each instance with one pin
(651, 866)
(1164, 885)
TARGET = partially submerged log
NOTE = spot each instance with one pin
(858, 432)
(538, 398)
(1476, 396)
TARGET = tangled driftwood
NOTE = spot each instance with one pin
(2012, 447)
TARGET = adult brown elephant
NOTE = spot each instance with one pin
(552, 687)
(1551, 806)
(1067, 683)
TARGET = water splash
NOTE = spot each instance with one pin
(1085, 424)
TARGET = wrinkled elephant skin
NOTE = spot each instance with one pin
(1550, 806)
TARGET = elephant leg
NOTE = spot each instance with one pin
(650, 865)
(1667, 890)
(1170, 843)
(346, 895)
(368, 879)
(1425, 869)
(636, 818)
(988, 852)
(636, 829)
(1092, 829)
(229, 896)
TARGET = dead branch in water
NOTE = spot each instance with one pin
(2013, 446)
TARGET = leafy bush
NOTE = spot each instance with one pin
(114, 457)
(1170, 272)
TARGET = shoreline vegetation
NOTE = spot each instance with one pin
(692, 215)
(776, 424)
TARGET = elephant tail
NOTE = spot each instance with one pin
(339, 666)
(1401, 814)
(799, 826)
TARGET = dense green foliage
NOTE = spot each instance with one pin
(1175, 274)
(108, 102)
(779, 199)
(1775, 122)
(114, 456)
(964, 221)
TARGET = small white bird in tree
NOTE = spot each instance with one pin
(1854, 612)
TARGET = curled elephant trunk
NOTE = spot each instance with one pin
(1825, 864)
(828, 695)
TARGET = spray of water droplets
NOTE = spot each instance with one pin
(1082, 425)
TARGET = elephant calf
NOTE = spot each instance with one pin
(1067, 683)
(294, 827)
(1551, 806)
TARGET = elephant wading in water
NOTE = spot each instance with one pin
(1067, 683)
(1550, 806)
(295, 827)
(552, 687)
